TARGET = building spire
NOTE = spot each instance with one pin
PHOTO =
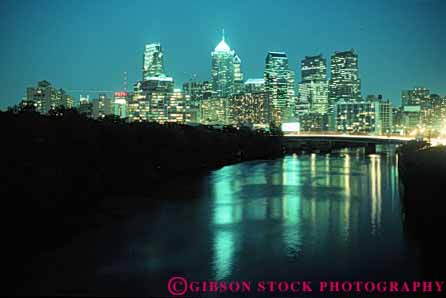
(223, 34)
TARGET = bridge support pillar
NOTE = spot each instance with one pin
(370, 148)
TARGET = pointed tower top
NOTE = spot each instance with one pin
(223, 34)
(222, 46)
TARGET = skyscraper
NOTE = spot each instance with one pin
(313, 88)
(226, 72)
(238, 75)
(344, 82)
(279, 86)
(157, 93)
(153, 64)
(119, 104)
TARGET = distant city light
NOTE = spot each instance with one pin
(291, 127)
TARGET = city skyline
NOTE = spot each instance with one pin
(97, 43)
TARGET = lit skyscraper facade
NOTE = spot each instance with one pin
(238, 75)
(153, 64)
(313, 88)
(279, 86)
(119, 104)
(157, 92)
(45, 97)
(344, 82)
(227, 77)
(178, 108)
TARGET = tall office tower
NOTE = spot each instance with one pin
(385, 117)
(45, 97)
(238, 75)
(226, 73)
(313, 88)
(279, 86)
(153, 64)
(344, 82)
(138, 108)
(156, 93)
(196, 92)
(178, 109)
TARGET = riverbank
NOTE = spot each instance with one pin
(423, 175)
(64, 174)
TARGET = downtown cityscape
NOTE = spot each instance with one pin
(320, 102)
(255, 148)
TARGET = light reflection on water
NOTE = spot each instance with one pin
(312, 217)
(315, 208)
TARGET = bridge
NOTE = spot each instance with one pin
(328, 142)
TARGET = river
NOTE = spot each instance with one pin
(306, 217)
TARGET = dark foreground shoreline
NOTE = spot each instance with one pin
(422, 170)
(64, 174)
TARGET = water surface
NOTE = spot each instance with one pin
(309, 217)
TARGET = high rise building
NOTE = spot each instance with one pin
(196, 92)
(138, 107)
(156, 93)
(314, 68)
(313, 89)
(344, 83)
(178, 108)
(238, 75)
(119, 104)
(227, 77)
(45, 97)
(153, 61)
(279, 86)
(385, 117)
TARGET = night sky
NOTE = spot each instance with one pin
(89, 44)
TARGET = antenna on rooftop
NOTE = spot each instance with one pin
(125, 81)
